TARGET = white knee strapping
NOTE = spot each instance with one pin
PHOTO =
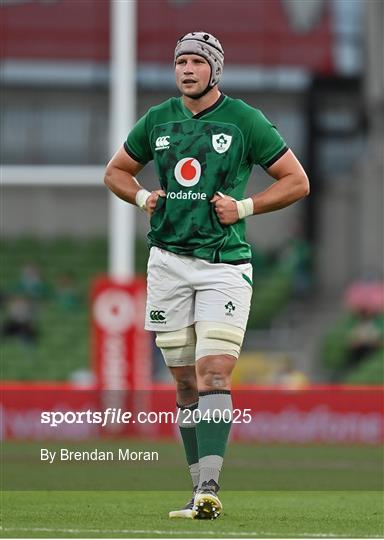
(215, 338)
(178, 347)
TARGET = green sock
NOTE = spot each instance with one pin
(212, 436)
(188, 434)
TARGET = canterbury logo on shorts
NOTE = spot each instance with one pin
(157, 316)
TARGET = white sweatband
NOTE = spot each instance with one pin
(141, 198)
(245, 208)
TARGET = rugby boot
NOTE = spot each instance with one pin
(207, 503)
(188, 511)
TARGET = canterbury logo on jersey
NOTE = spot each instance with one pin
(162, 143)
(157, 316)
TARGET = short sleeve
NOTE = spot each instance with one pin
(137, 144)
(267, 145)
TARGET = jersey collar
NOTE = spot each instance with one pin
(189, 113)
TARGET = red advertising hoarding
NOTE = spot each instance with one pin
(317, 415)
(120, 347)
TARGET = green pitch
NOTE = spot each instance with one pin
(145, 514)
(246, 467)
(302, 491)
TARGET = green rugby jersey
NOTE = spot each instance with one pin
(195, 156)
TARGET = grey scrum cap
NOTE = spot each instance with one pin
(204, 45)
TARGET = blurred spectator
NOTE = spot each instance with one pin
(297, 255)
(365, 299)
(66, 293)
(31, 282)
(353, 348)
(290, 377)
(19, 320)
(366, 295)
(365, 337)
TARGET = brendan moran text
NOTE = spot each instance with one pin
(120, 454)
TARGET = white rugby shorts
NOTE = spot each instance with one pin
(183, 290)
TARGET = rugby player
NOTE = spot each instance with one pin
(204, 145)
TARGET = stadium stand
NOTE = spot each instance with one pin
(51, 279)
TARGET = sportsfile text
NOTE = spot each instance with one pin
(113, 415)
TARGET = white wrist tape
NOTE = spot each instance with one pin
(245, 208)
(141, 198)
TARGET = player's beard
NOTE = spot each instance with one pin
(197, 94)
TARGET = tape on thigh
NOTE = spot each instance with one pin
(178, 347)
(214, 338)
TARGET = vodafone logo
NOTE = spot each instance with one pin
(114, 311)
(188, 172)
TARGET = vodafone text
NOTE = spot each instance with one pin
(113, 415)
(187, 195)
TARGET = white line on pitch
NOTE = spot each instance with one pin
(173, 532)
